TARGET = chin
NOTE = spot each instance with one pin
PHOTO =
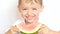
(30, 20)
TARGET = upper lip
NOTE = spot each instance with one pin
(29, 16)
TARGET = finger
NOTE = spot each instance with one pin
(14, 28)
(43, 28)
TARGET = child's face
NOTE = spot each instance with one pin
(30, 12)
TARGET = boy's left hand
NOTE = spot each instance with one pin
(45, 30)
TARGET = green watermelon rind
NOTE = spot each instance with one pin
(34, 30)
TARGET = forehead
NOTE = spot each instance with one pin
(30, 5)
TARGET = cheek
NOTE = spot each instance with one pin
(37, 13)
(19, 8)
(23, 14)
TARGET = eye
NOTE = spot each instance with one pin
(24, 9)
(34, 8)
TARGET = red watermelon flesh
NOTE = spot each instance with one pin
(28, 27)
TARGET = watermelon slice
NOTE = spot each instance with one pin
(30, 31)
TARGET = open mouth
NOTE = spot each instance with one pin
(29, 17)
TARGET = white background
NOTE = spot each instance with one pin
(9, 14)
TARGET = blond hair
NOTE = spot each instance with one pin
(30, 1)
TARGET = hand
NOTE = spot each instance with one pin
(44, 29)
(12, 30)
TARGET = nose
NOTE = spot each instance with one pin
(29, 12)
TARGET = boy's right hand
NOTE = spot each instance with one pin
(12, 30)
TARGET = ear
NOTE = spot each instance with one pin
(19, 8)
(42, 8)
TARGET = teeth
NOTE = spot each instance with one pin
(30, 17)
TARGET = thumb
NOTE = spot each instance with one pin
(44, 29)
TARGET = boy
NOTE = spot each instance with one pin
(30, 10)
